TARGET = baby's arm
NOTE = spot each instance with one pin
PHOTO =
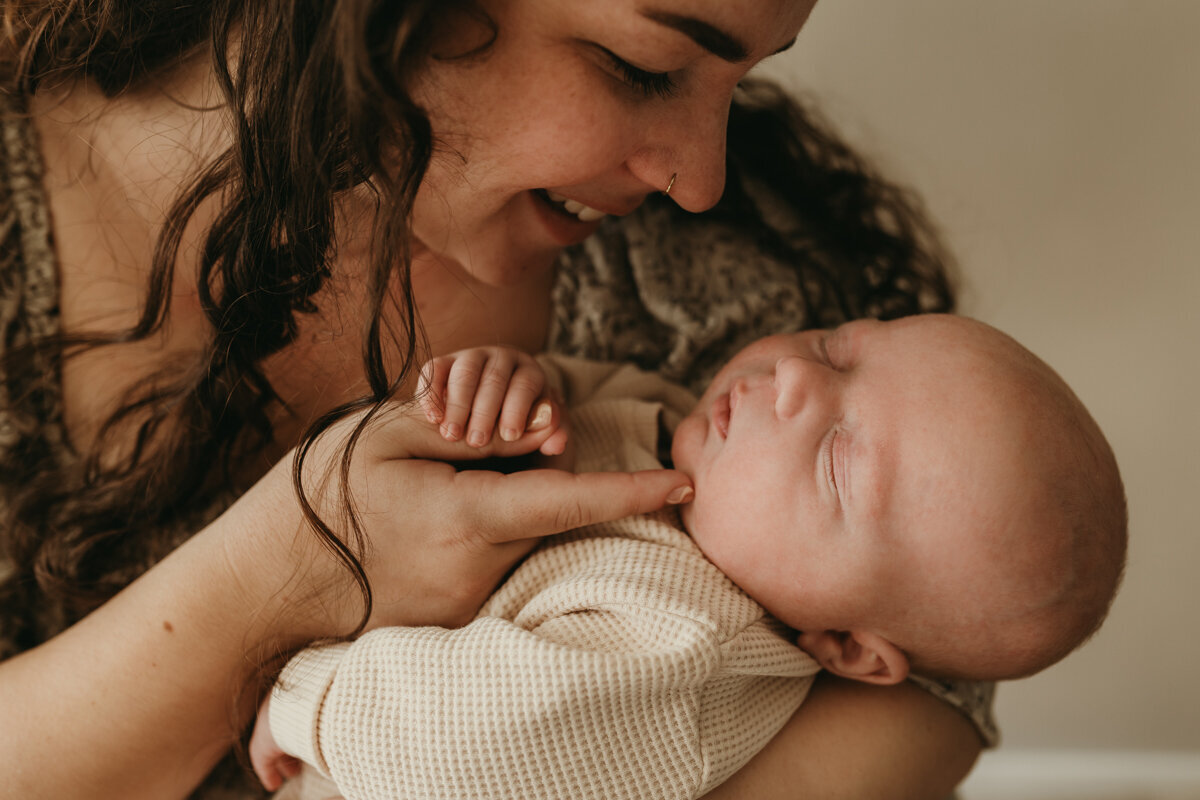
(271, 764)
(472, 393)
(588, 688)
(616, 662)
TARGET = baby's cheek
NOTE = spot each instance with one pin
(685, 446)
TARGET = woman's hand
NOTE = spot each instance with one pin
(156, 705)
(436, 540)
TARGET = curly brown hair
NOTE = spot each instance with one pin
(318, 94)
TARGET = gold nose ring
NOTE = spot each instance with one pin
(670, 184)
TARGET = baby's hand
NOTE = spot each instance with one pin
(271, 765)
(470, 393)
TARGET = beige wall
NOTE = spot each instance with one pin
(1058, 144)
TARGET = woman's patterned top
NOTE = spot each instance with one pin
(675, 294)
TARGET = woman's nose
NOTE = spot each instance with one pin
(689, 147)
(700, 153)
(800, 384)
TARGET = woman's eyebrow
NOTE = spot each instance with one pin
(716, 41)
(787, 46)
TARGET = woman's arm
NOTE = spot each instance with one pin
(852, 741)
(135, 701)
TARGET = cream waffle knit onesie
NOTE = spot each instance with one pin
(616, 661)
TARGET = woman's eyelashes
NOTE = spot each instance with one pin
(649, 84)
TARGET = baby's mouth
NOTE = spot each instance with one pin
(569, 207)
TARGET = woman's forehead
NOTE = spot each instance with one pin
(735, 30)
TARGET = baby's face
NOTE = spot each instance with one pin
(827, 464)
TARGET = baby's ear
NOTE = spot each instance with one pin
(858, 655)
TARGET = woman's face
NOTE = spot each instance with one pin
(576, 110)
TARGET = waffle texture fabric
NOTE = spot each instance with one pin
(616, 662)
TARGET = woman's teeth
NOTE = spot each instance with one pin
(584, 213)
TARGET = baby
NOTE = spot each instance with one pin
(926, 494)
(922, 494)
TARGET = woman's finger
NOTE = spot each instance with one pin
(556, 445)
(543, 502)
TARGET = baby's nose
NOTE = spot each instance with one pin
(798, 382)
(754, 384)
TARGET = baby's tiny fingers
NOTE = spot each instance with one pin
(461, 386)
(489, 397)
(524, 388)
(431, 389)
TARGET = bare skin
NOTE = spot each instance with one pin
(480, 394)
(151, 714)
(167, 653)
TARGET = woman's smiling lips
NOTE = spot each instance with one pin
(565, 229)
(571, 221)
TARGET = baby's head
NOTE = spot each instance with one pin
(923, 492)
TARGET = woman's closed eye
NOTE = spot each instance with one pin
(649, 84)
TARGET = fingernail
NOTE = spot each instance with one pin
(476, 439)
(510, 434)
(451, 431)
(541, 416)
(680, 495)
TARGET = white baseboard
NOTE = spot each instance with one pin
(1083, 775)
